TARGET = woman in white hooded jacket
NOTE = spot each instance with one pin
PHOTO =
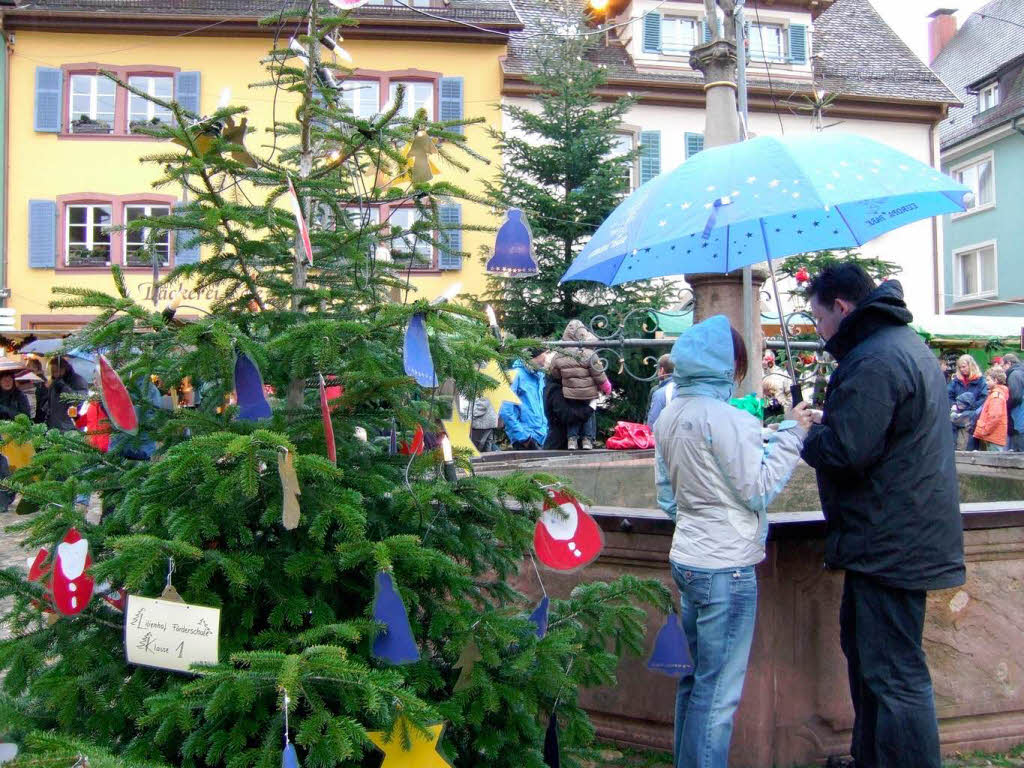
(717, 470)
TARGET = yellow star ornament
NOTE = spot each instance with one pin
(502, 393)
(422, 752)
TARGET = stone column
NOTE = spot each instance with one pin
(717, 293)
(717, 60)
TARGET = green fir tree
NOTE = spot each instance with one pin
(295, 605)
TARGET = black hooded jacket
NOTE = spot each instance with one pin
(884, 453)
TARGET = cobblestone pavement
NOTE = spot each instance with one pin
(11, 554)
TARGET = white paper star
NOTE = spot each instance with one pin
(751, 179)
(662, 223)
(835, 174)
(773, 183)
(830, 186)
(711, 188)
(796, 195)
(707, 205)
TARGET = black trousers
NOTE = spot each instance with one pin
(880, 630)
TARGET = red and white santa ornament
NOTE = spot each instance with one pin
(70, 580)
(566, 537)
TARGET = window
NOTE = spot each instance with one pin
(417, 249)
(88, 235)
(417, 95)
(92, 100)
(138, 250)
(362, 97)
(975, 272)
(767, 42)
(979, 177)
(142, 111)
(988, 97)
(624, 143)
(679, 34)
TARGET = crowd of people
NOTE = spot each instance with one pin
(987, 411)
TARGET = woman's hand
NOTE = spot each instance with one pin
(801, 414)
(606, 387)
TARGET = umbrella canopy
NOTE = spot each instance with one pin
(42, 347)
(741, 204)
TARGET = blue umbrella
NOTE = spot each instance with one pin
(741, 204)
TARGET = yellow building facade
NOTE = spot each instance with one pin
(69, 178)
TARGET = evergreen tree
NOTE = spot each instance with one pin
(564, 167)
(295, 605)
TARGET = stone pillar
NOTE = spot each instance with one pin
(717, 60)
(716, 293)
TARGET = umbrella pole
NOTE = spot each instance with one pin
(794, 388)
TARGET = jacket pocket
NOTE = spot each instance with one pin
(744, 522)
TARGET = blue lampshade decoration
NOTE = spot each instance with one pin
(395, 644)
(416, 352)
(552, 758)
(671, 654)
(288, 758)
(540, 616)
(252, 402)
(513, 248)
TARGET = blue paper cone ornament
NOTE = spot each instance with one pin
(552, 759)
(288, 758)
(540, 616)
(416, 353)
(671, 655)
(395, 643)
(252, 402)
(513, 248)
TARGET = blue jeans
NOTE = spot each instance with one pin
(585, 428)
(718, 611)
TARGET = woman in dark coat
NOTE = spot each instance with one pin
(12, 400)
(968, 378)
(51, 408)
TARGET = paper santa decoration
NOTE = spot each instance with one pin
(70, 581)
(566, 537)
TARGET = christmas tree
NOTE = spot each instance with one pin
(311, 565)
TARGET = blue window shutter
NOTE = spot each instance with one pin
(42, 234)
(449, 256)
(694, 143)
(798, 43)
(186, 90)
(451, 101)
(706, 30)
(650, 155)
(652, 33)
(49, 99)
(184, 253)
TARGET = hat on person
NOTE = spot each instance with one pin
(997, 360)
(965, 401)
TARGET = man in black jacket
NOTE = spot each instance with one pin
(1015, 383)
(883, 452)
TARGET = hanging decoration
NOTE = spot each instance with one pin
(416, 446)
(290, 489)
(458, 432)
(300, 222)
(235, 134)
(671, 655)
(325, 415)
(418, 151)
(70, 581)
(393, 438)
(416, 352)
(552, 759)
(289, 759)
(513, 248)
(422, 751)
(92, 419)
(94, 508)
(116, 401)
(249, 392)
(540, 616)
(467, 660)
(39, 569)
(566, 538)
(395, 644)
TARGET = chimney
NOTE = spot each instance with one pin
(941, 30)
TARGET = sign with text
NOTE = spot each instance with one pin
(170, 635)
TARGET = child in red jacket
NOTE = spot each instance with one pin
(991, 428)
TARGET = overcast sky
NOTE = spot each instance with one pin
(909, 18)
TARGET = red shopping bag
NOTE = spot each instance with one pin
(629, 436)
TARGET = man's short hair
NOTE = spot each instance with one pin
(847, 281)
(1011, 358)
(665, 363)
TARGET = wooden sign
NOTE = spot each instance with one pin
(170, 635)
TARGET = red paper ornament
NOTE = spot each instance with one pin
(39, 570)
(325, 414)
(116, 400)
(416, 447)
(70, 579)
(802, 275)
(566, 537)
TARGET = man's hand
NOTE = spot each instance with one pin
(816, 416)
(801, 414)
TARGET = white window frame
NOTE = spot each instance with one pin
(152, 110)
(399, 246)
(755, 34)
(409, 105)
(680, 18)
(957, 170)
(90, 226)
(633, 134)
(356, 91)
(93, 95)
(147, 210)
(975, 249)
(988, 97)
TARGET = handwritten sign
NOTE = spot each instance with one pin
(170, 635)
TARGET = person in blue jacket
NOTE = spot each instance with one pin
(968, 378)
(525, 424)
